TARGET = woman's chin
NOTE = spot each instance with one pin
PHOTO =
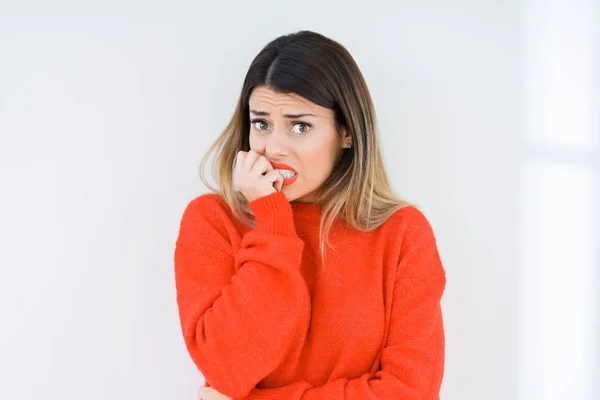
(287, 193)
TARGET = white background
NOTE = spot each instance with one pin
(488, 115)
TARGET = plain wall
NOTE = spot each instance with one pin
(106, 110)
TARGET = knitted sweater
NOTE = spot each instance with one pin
(262, 320)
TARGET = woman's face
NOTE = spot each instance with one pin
(288, 129)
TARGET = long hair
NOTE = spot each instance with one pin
(322, 71)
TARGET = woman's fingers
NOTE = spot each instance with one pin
(239, 161)
(250, 159)
(261, 167)
(275, 178)
(255, 177)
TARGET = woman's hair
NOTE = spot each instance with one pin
(322, 71)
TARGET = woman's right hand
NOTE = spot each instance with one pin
(255, 177)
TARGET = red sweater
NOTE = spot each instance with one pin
(262, 321)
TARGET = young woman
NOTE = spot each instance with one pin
(302, 276)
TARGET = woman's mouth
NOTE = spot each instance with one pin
(289, 174)
(289, 177)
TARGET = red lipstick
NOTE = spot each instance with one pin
(286, 181)
(283, 166)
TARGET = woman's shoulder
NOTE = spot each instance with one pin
(207, 206)
(409, 223)
(208, 218)
(207, 200)
(412, 237)
(408, 216)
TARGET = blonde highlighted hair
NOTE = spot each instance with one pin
(322, 71)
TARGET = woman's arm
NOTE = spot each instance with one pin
(240, 313)
(412, 363)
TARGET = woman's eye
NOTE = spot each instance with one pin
(303, 127)
(298, 127)
(258, 124)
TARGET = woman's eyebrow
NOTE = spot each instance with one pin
(264, 113)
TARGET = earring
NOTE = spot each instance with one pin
(347, 145)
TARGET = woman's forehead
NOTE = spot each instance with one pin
(267, 100)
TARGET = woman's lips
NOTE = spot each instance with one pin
(283, 166)
(289, 181)
(286, 181)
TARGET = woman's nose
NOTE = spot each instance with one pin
(276, 145)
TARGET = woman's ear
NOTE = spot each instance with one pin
(346, 138)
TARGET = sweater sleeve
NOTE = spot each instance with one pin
(412, 363)
(240, 313)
